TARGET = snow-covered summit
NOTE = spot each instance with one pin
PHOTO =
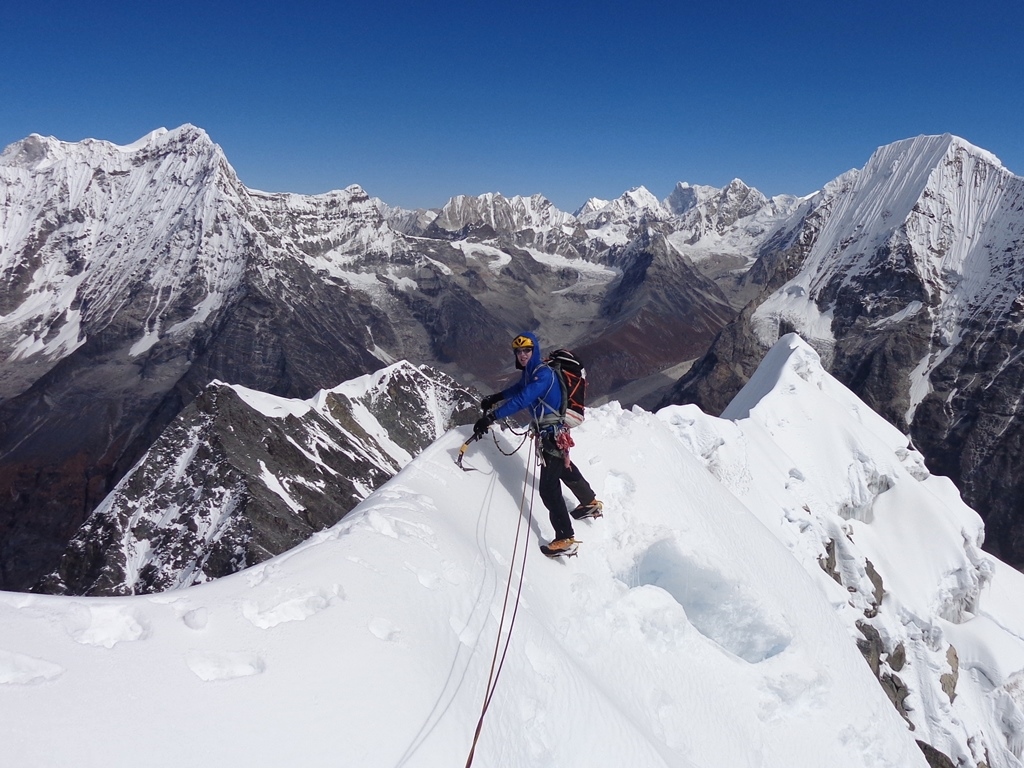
(85, 211)
(619, 221)
(502, 214)
(768, 586)
(935, 212)
(160, 230)
(685, 196)
(590, 206)
(907, 276)
(629, 206)
(927, 170)
(35, 152)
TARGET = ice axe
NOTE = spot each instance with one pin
(488, 420)
(462, 451)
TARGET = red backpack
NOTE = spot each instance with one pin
(573, 378)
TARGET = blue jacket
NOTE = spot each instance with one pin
(537, 389)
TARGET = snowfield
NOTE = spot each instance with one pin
(700, 625)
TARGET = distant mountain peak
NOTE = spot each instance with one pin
(590, 206)
(499, 213)
(35, 151)
(627, 210)
(906, 277)
(641, 197)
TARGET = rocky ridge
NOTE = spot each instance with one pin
(240, 476)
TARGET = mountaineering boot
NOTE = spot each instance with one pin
(560, 548)
(591, 509)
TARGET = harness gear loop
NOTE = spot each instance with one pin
(564, 442)
(558, 437)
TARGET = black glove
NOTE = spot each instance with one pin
(482, 425)
(490, 401)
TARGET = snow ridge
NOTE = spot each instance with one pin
(789, 583)
(894, 546)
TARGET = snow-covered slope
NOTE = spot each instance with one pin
(76, 218)
(852, 501)
(703, 623)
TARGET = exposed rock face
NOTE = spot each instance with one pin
(240, 476)
(907, 278)
(130, 277)
(660, 310)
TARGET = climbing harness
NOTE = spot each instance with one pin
(558, 436)
(525, 434)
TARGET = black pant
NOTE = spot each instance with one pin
(552, 474)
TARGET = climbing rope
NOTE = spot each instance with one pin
(525, 435)
(496, 663)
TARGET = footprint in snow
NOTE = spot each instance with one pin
(102, 625)
(618, 488)
(18, 669)
(384, 630)
(295, 608)
(427, 579)
(260, 573)
(223, 665)
(196, 619)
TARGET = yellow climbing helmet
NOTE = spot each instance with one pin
(522, 342)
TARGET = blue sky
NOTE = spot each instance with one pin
(419, 101)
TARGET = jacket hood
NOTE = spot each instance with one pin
(535, 358)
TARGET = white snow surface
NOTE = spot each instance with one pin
(695, 628)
